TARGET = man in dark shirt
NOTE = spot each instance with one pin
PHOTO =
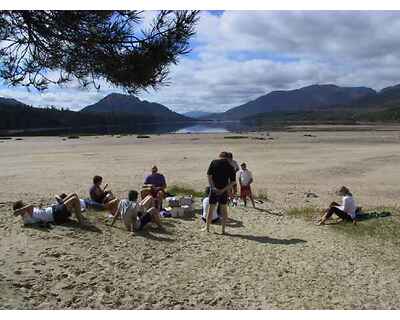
(158, 186)
(221, 177)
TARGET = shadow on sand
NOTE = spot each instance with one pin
(269, 212)
(266, 239)
(75, 225)
(232, 223)
(149, 234)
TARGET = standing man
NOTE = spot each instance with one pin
(158, 186)
(245, 180)
(221, 178)
(232, 196)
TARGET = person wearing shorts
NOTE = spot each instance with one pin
(57, 214)
(221, 178)
(136, 215)
(245, 180)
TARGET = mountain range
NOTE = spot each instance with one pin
(303, 99)
(127, 104)
(113, 111)
(315, 103)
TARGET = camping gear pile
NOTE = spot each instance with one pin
(180, 206)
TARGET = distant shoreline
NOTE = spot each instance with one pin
(173, 127)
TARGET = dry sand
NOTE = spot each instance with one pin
(269, 259)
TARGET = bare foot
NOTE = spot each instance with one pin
(320, 223)
(204, 229)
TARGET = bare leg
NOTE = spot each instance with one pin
(69, 196)
(112, 206)
(147, 203)
(224, 210)
(73, 204)
(252, 200)
(155, 216)
(211, 209)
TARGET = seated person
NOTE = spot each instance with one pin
(346, 211)
(158, 185)
(136, 215)
(57, 214)
(205, 205)
(100, 198)
(98, 194)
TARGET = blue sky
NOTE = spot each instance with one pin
(238, 56)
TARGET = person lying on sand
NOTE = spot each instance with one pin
(136, 215)
(346, 211)
(62, 197)
(205, 205)
(221, 178)
(57, 214)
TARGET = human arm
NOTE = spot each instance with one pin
(27, 209)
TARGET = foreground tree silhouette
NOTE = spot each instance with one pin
(42, 47)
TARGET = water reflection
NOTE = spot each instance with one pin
(201, 128)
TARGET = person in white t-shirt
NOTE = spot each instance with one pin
(205, 205)
(245, 180)
(135, 215)
(58, 214)
(346, 211)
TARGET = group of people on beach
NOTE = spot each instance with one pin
(223, 174)
(134, 214)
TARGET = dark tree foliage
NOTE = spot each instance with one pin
(92, 45)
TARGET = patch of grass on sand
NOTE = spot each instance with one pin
(184, 191)
(307, 213)
(380, 228)
(261, 195)
(236, 137)
(141, 136)
(383, 223)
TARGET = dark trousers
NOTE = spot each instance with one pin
(341, 214)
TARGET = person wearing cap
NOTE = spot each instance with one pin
(158, 185)
(346, 211)
(245, 180)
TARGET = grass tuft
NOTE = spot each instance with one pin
(184, 191)
(261, 195)
(141, 136)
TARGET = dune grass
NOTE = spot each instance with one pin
(379, 228)
(184, 191)
(261, 195)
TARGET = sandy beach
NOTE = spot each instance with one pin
(272, 258)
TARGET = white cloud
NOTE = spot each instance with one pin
(241, 55)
